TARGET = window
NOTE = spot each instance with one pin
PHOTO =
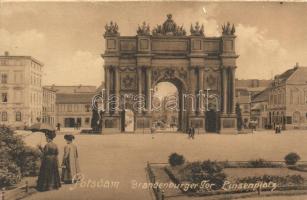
(4, 116)
(87, 108)
(87, 120)
(3, 78)
(18, 116)
(69, 108)
(295, 96)
(4, 97)
(296, 117)
(289, 120)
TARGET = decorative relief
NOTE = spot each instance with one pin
(169, 73)
(197, 30)
(128, 81)
(144, 29)
(111, 29)
(228, 30)
(211, 80)
(169, 27)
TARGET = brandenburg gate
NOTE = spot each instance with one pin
(134, 65)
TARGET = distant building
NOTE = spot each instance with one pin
(288, 99)
(49, 112)
(243, 98)
(20, 90)
(259, 108)
(73, 105)
(245, 89)
(253, 86)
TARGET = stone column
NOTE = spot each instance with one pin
(148, 78)
(233, 89)
(192, 101)
(225, 93)
(107, 81)
(139, 71)
(117, 89)
(201, 88)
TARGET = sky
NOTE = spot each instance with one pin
(68, 36)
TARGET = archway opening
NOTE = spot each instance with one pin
(166, 108)
(128, 120)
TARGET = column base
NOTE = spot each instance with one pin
(228, 124)
(111, 124)
(197, 122)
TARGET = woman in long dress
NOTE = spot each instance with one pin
(49, 176)
(70, 164)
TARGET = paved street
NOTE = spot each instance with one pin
(123, 158)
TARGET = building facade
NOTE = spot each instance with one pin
(21, 90)
(259, 109)
(49, 106)
(135, 64)
(246, 89)
(73, 105)
(288, 99)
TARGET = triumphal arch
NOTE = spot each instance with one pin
(197, 65)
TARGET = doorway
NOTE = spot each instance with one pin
(212, 123)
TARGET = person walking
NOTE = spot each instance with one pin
(49, 176)
(70, 163)
(192, 132)
(58, 126)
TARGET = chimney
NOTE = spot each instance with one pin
(6, 53)
(296, 65)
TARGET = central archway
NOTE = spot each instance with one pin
(172, 114)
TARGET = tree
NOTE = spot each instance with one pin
(292, 158)
(239, 116)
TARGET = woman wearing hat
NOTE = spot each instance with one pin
(49, 176)
(70, 164)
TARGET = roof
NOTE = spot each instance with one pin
(242, 92)
(252, 83)
(49, 89)
(76, 89)
(286, 75)
(74, 98)
(298, 77)
(22, 57)
(262, 96)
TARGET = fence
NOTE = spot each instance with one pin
(14, 193)
(159, 193)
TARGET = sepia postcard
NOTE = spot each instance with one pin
(153, 100)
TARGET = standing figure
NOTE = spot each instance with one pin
(58, 126)
(70, 164)
(49, 176)
(192, 132)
